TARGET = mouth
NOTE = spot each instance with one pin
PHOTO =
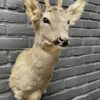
(59, 44)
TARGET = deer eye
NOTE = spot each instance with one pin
(46, 20)
(68, 22)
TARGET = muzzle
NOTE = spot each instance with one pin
(61, 42)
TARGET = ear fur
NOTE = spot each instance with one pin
(75, 10)
(32, 10)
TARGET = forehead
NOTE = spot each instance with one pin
(55, 13)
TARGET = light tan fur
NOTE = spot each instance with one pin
(34, 66)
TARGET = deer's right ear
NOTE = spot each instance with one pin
(32, 10)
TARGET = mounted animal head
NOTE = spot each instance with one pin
(52, 25)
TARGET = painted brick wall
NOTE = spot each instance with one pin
(77, 75)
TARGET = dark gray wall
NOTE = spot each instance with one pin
(77, 75)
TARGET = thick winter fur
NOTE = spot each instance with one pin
(34, 66)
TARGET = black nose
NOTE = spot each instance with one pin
(61, 41)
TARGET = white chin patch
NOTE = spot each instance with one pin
(47, 42)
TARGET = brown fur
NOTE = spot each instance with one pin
(34, 66)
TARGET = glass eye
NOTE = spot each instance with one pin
(68, 22)
(46, 20)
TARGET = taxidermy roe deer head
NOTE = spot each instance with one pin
(33, 69)
(52, 26)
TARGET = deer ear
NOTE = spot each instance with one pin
(32, 10)
(75, 10)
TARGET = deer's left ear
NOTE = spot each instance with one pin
(75, 10)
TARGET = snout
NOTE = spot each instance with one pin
(63, 42)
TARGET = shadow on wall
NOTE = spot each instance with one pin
(77, 75)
